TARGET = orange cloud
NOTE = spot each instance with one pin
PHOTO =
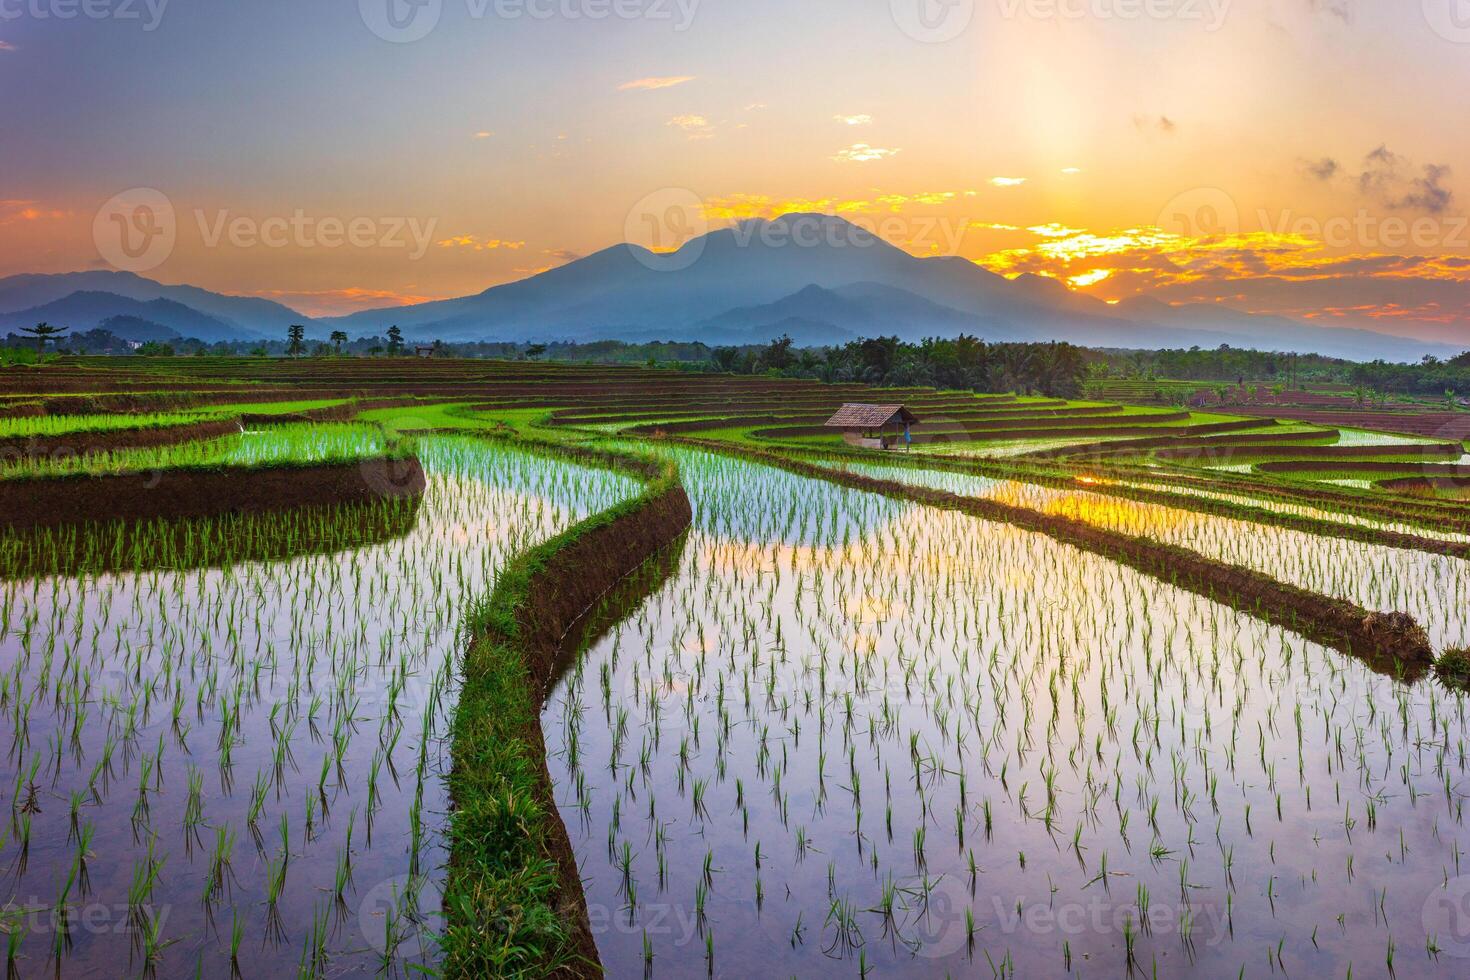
(19, 210)
(740, 207)
(339, 302)
(1288, 274)
(478, 244)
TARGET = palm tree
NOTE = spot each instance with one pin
(295, 340)
(43, 332)
(339, 337)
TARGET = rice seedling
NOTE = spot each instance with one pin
(1022, 713)
(267, 650)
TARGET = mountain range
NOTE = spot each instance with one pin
(824, 280)
(83, 300)
(818, 278)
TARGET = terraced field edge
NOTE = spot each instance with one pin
(513, 899)
(191, 492)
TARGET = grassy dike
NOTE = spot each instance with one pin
(205, 490)
(513, 899)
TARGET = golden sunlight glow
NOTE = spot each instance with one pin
(1088, 278)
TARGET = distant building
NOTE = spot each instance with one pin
(424, 350)
(874, 426)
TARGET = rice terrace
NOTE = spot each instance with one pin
(355, 666)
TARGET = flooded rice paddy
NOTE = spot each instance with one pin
(237, 769)
(851, 736)
(1431, 588)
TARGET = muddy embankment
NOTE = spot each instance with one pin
(1443, 487)
(1122, 448)
(1228, 454)
(71, 444)
(182, 544)
(36, 502)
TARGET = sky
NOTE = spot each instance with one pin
(1305, 157)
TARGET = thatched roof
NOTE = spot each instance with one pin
(859, 416)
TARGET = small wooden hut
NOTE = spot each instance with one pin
(874, 426)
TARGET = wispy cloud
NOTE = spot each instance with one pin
(652, 83)
(484, 134)
(1155, 124)
(739, 207)
(7, 46)
(1323, 169)
(1007, 181)
(694, 126)
(863, 153)
(478, 244)
(861, 119)
(14, 210)
(1391, 180)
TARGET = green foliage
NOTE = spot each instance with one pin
(503, 888)
(21, 356)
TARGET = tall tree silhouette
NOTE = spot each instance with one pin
(43, 332)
